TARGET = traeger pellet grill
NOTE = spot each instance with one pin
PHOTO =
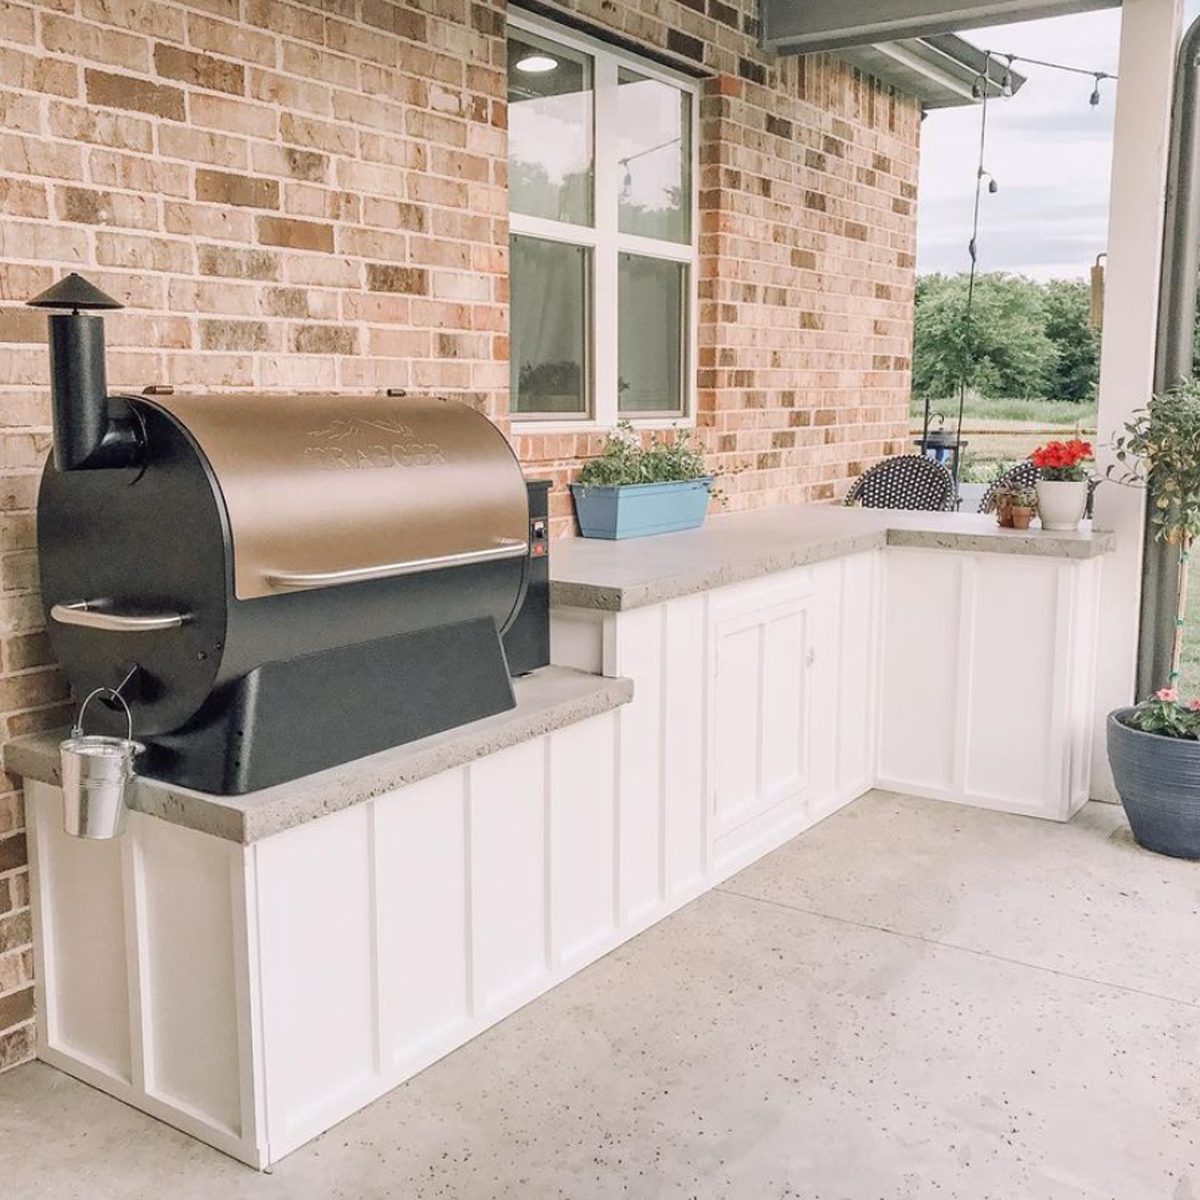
(278, 584)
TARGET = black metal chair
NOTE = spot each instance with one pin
(1023, 475)
(909, 481)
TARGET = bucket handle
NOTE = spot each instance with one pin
(77, 728)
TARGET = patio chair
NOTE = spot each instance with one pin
(1025, 474)
(909, 481)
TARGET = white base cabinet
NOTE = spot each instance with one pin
(750, 717)
(987, 679)
(253, 996)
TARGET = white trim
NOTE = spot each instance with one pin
(607, 242)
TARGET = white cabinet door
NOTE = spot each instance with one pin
(758, 733)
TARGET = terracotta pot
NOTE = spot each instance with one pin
(1021, 517)
(1004, 516)
(1062, 503)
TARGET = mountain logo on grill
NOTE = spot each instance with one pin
(354, 443)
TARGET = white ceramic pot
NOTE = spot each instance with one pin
(1062, 503)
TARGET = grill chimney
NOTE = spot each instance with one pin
(87, 435)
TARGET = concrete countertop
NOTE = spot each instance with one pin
(615, 576)
(548, 699)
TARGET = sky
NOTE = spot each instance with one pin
(1048, 149)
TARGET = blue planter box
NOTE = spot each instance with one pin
(639, 509)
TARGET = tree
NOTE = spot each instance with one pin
(1075, 370)
(1000, 349)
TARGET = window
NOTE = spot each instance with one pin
(603, 220)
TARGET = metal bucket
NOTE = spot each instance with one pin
(95, 774)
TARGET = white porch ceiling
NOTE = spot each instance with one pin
(805, 26)
(941, 71)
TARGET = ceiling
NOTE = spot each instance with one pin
(806, 26)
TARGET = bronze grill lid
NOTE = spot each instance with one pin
(323, 490)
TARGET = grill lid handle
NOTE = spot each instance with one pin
(298, 580)
(86, 614)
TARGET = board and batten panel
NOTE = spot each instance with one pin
(82, 930)
(636, 651)
(316, 964)
(919, 692)
(856, 684)
(185, 886)
(507, 834)
(737, 720)
(826, 683)
(582, 814)
(758, 726)
(685, 830)
(421, 914)
(783, 706)
(1013, 751)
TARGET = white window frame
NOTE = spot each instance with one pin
(606, 242)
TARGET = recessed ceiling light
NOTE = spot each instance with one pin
(536, 64)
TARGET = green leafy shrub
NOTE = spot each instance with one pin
(1160, 448)
(626, 459)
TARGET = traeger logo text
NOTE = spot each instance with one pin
(360, 443)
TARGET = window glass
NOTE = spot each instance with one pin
(654, 158)
(652, 308)
(549, 130)
(549, 305)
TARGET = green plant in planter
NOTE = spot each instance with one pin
(1160, 449)
(625, 459)
(1154, 748)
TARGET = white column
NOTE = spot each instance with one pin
(1150, 31)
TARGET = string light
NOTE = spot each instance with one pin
(982, 90)
(1006, 80)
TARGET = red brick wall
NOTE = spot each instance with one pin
(808, 190)
(312, 195)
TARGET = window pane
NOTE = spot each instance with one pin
(549, 286)
(654, 152)
(652, 306)
(549, 130)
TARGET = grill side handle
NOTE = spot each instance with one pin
(90, 614)
(300, 580)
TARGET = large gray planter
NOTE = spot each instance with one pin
(1158, 779)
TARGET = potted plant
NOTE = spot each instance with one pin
(633, 489)
(1022, 506)
(1062, 488)
(1003, 498)
(1154, 749)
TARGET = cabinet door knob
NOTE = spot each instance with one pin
(811, 657)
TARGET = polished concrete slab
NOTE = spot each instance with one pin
(912, 1000)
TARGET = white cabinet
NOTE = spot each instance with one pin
(752, 717)
(986, 679)
(759, 660)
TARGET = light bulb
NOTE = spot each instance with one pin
(537, 64)
(1094, 98)
(1006, 84)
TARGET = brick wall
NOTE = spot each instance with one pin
(312, 195)
(808, 184)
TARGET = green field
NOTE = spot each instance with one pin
(1004, 431)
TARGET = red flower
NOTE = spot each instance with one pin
(1058, 455)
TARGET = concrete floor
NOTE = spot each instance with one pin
(911, 1000)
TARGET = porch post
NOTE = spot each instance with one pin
(1150, 31)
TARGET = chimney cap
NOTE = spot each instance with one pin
(73, 292)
